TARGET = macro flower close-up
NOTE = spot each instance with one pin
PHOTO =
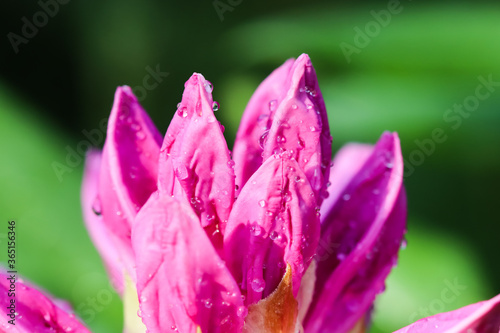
(276, 235)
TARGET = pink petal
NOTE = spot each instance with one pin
(360, 237)
(256, 122)
(482, 317)
(99, 233)
(195, 163)
(273, 223)
(35, 311)
(300, 126)
(129, 169)
(348, 162)
(181, 280)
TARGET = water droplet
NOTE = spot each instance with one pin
(287, 196)
(280, 139)
(278, 152)
(272, 105)
(294, 106)
(242, 311)
(139, 313)
(273, 235)
(300, 144)
(346, 197)
(173, 328)
(389, 165)
(262, 203)
(256, 230)
(224, 320)
(230, 164)
(211, 119)
(143, 299)
(258, 285)
(215, 106)
(182, 112)
(263, 139)
(96, 206)
(135, 127)
(140, 135)
(208, 303)
(312, 129)
(262, 117)
(179, 105)
(208, 86)
(341, 256)
(404, 243)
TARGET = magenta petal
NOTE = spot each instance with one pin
(181, 280)
(195, 163)
(348, 162)
(273, 223)
(98, 231)
(256, 122)
(360, 237)
(35, 311)
(482, 317)
(300, 126)
(129, 168)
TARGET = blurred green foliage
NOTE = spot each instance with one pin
(425, 60)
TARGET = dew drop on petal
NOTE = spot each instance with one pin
(263, 139)
(215, 106)
(258, 285)
(96, 207)
(208, 86)
(272, 105)
(182, 112)
(140, 135)
(208, 303)
(262, 203)
(242, 311)
(256, 230)
(346, 197)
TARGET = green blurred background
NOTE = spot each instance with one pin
(404, 72)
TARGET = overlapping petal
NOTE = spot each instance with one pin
(300, 126)
(182, 283)
(99, 233)
(482, 317)
(129, 169)
(34, 311)
(286, 113)
(361, 233)
(273, 223)
(195, 164)
(256, 122)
